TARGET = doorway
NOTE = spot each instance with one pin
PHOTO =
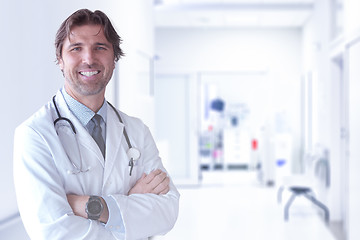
(176, 126)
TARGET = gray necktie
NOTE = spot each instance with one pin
(97, 133)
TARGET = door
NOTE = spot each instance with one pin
(175, 126)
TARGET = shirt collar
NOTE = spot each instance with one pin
(83, 113)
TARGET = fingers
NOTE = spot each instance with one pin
(163, 187)
(158, 179)
(143, 176)
(140, 185)
(165, 191)
(158, 182)
(152, 175)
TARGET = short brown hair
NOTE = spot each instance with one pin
(84, 17)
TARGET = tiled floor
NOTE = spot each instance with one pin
(233, 205)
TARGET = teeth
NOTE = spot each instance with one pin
(89, 74)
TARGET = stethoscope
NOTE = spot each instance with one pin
(132, 153)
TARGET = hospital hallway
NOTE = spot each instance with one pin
(233, 205)
(240, 97)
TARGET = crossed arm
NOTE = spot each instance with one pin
(156, 182)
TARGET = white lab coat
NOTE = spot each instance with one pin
(42, 181)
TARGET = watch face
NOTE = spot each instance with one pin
(94, 207)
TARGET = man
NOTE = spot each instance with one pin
(82, 169)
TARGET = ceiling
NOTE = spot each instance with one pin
(232, 13)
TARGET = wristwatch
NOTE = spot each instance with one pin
(94, 207)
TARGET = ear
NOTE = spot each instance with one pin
(61, 64)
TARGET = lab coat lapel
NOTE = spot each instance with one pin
(83, 136)
(114, 133)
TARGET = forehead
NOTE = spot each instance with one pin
(87, 33)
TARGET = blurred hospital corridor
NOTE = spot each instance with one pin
(233, 205)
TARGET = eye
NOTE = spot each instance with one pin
(75, 49)
(100, 48)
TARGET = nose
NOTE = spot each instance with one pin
(88, 56)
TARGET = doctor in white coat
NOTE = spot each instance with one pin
(66, 187)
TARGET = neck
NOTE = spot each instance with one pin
(93, 102)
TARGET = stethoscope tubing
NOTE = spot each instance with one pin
(133, 157)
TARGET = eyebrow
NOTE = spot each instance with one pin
(102, 44)
(74, 45)
(81, 44)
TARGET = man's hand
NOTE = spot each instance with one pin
(156, 182)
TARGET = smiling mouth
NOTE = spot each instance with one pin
(89, 74)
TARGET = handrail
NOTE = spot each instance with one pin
(323, 163)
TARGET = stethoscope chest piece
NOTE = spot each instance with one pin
(133, 153)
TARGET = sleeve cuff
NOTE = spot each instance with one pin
(115, 221)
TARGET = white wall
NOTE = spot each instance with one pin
(30, 76)
(351, 21)
(338, 133)
(136, 25)
(352, 61)
(354, 140)
(219, 51)
(317, 50)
